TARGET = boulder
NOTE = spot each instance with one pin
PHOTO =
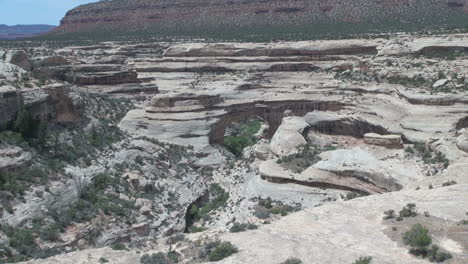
(440, 83)
(141, 229)
(462, 141)
(388, 141)
(262, 151)
(289, 136)
(145, 210)
(19, 58)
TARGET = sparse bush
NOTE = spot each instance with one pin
(448, 183)
(351, 195)
(435, 255)
(218, 250)
(160, 258)
(419, 239)
(237, 227)
(103, 260)
(292, 261)
(409, 150)
(197, 229)
(302, 160)
(118, 246)
(390, 214)
(408, 211)
(363, 260)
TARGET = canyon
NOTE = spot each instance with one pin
(162, 147)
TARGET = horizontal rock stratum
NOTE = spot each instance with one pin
(226, 17)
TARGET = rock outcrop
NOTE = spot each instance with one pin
(19, 58)
(10, 103)
(389, 141)
(289, 136)
(362, 165)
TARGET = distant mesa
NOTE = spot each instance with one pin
(239, 17)
(23, 31)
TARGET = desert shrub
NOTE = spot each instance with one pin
(237, 227)
(218, 250)
(103, 260)
(431, 157)
(160, 258)
(267, 203)
(118, 246)
(408, 211)
(363, 260)
(351, 195)
(409, 150)
(22, 240)
(390, 214)
(302, 160)
(292, 261)
(448, 183)
(17, 182)
(282, 210)
(435, 255)
(252, 226)
(419, 239)
(197, 229)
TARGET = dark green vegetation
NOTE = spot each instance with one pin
(215, 199)
(160, 258)
(407, 211)
(54, 145)
(419, 239)
(390, 214)
(267, 207)
(448, 183)
(242, 137)
(218, 250)
(431, 157)
(92, 202)
(363, 260)
(237, 227)
(292, 261)
(302, 160)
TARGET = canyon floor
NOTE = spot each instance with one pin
(113, 153)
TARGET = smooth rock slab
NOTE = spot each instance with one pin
(362, 165)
